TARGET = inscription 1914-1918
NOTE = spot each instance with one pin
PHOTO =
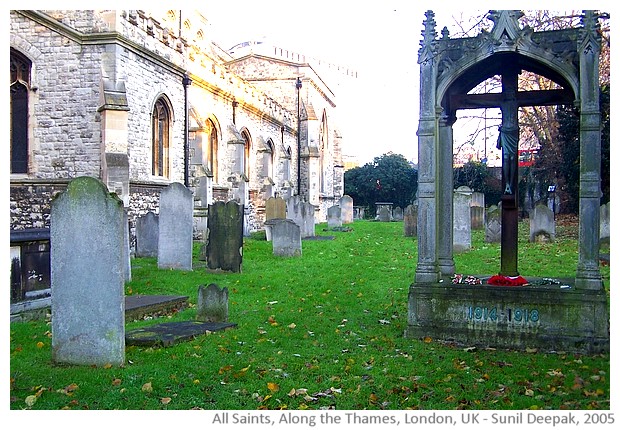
(516, 315)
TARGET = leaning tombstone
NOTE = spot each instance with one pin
(286, 238)
(346, 207)
(410, 221)
(225, 236)
(87, 276)
(147, 235)
(542, 224)
(334, 217)
(212, 305)
(493, 225)
(461, 219)
(176, 227)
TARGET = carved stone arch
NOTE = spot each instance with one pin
(449, 69)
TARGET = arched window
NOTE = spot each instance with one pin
(19, 87)
(247, 151)
(161, 139)
(269, 157)
(210, 160)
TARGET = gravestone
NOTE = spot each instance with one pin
(147, 235)
(87, 276)
(542, 224)
(212, 304)
(275, 208)
(462, 219)
(346, 207)
(126, 248)
(605, 220)
(358, 212)
(493, 225)
(410, 221)
(176, 225)
(397, 213)
(286, 238)
(477, 211)
(225, 236)
(384, 212)
(302, 213)
(334, 217)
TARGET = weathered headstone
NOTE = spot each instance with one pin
(461, 238)
(286, 238)
(334, 217)
(358, 212)
(410, 221)
(542, 224)
(346, 207)
(87, 276)
(212, 305)
(176, 208)
(397, 213)
(126, 248)
(147, 235)
(225, 236)
(384, 212)
(302, 213)
(275, 208)
(477, 211)
(604, 221)
(493, 225)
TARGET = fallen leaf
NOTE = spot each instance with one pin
(273, 387)
(116, 382)
(529, 392)
(292, 325)
(31, 400)
(165, 400)
(427, 339)
(148, 387)
(107, 365)
(40, 344)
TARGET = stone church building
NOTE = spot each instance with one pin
(142, 99)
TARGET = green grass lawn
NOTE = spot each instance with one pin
(321, 331)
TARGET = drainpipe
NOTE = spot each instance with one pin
(298, 86)
(186, 83)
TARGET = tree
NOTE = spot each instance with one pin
(389, 178)
(477, 176)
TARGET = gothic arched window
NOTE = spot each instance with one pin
(161, 139)
(19, 87)
(212, 144)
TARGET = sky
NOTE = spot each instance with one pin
(377, 112)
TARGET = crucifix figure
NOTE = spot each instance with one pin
(508, 141)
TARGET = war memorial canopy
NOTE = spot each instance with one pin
(571, 316)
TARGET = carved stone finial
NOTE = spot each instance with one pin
(428, 37)
(506, 27)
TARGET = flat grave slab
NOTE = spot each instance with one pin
(169, 333)
(137, 306)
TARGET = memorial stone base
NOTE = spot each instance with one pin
(545, 317)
